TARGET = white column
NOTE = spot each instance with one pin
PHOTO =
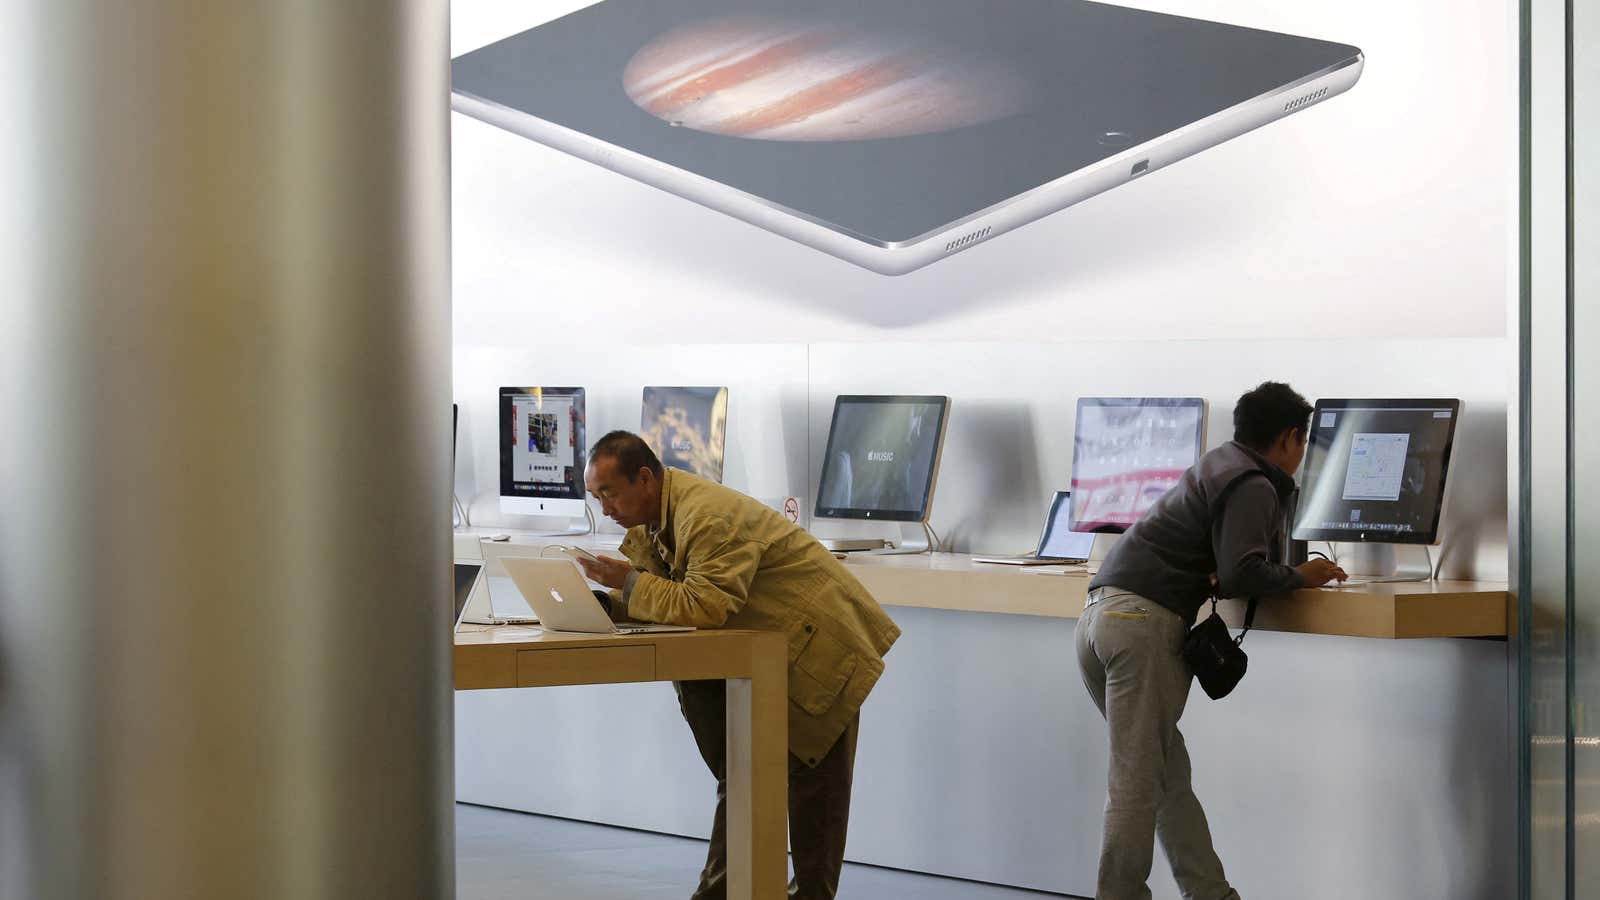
(224, 450)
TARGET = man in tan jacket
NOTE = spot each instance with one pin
(704, 555)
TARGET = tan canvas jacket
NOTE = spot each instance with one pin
(720, 559)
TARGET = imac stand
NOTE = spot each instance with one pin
(573, 528)
(1392, 563)
(915, 537)
(852, 545)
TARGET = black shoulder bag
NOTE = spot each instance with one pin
(1214, 655)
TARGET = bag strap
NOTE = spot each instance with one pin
(1249, 617)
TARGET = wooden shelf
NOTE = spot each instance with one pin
(953, 581)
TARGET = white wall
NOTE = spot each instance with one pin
(1009, 440)
(767, 407)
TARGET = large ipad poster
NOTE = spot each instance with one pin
(653, 164)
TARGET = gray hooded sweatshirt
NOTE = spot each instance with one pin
(1226, 515)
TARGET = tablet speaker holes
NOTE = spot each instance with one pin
(960, 242)
(1312, 97)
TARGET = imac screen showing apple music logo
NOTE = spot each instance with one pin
(880, 457)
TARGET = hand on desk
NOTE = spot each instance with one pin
(1318, 572)
(613, 573)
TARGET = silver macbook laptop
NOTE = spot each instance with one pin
(1058, 545)
(467, 577)
(557, 591)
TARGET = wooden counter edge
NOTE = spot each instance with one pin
(1345, 613)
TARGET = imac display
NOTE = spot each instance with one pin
(542, 451)
(687, 427)
(882, 458)
(1375, 470)
(1127, 452)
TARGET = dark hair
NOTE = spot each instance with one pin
(1263, 414)
(630, 451)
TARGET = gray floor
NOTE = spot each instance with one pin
(502, 855)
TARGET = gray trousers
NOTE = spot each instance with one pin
(1130, 653)
(819, 800)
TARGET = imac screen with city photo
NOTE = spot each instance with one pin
(1375, 470)
(542, 452)
(882, 458)
(1127, 452)
(687, 427)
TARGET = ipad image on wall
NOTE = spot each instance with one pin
(890, 133)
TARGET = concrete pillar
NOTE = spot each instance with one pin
(224, 457)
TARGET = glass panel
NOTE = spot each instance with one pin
(1585, 325)
(1543, 560)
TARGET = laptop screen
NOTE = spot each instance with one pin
(466, 577)
(1058, 541)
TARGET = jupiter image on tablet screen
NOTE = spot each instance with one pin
(789, 79)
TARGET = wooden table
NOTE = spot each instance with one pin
(953, 581)
(755, 664)
(1398, 610)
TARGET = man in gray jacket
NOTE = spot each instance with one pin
(1220, 528)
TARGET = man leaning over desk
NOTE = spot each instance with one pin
(705, 555)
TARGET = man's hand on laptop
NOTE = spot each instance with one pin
(613, 573)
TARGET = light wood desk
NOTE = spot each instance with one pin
(953, 581)
(755, 664)
(1401, 610)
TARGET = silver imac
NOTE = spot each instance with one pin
(1375, 473)
(1127, 452)
(542, 454)
(687, 427)
(882, 463)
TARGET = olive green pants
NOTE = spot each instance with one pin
(819, 799)
(1130, 651)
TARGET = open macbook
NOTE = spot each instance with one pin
(1058, 544)
(474, 604)
(891, 133)
(468, 578)
(557, 591)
